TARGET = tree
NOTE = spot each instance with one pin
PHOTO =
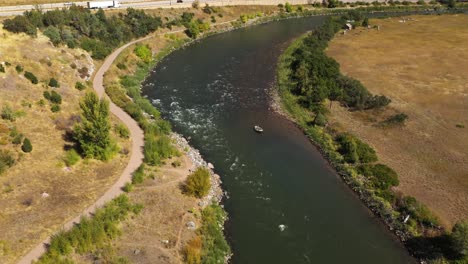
(198, 183)
(459, 238)
(20, 24)
(27, 146)
(93, 132)
(54, 35)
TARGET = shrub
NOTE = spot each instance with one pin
(365, 152)
(19, 68)
(80, 86)
(17, 139)
(348, 148)
(144, 53)
(397, 119)
(6, 160)
(192, 251)
(2, 69)
(71, 157)
(121, 66)
(198, 183)
(128, 187)
(55, 108)
(139, 175)
(8, 113)
(176, 163)
(53, 97)
(27, 146)
(410, 206)
(31, 77)
(288, 7)
(320, 119)
(459, 238)
(156, 150)
(196, 4)
(54, 83)
(122, 130)
(381, 176)
(20, 24)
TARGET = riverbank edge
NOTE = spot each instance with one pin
(284, 104)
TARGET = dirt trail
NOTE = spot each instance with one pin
(136, 154)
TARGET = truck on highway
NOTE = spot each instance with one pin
(103, 4)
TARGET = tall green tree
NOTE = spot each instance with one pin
(93, 132)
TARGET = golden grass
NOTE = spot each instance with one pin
(26, 218)
(421, 65)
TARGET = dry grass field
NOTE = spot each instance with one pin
(421, 63)
(26, 216)
(159, 233)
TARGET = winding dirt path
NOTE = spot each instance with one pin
(136, 154)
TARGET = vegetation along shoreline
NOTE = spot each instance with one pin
(308, 83)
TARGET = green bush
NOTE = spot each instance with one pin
(71, 158)
(122, 130)
(348, 148)
(459, 238)
(381, 176)
(20, 24)
(80, 86)
(53, 97)
(157, 149)
(27, 146)
(128, 187)
(53, 34)
(144, 53)
(55, 108)
(288, 7)
(139, 175)
(8, 113)
(17, 139)
(6, 160)
(198, 183)
(19, 68)
(54, 83)
(397, 119)
(31, 77)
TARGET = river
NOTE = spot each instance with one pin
(214, 92)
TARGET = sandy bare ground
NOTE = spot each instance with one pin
(136, 155)
(420, 63)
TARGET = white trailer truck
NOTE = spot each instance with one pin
(103, 4)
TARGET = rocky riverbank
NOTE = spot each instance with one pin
(216, 193)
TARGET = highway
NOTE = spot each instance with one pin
(141, 4)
